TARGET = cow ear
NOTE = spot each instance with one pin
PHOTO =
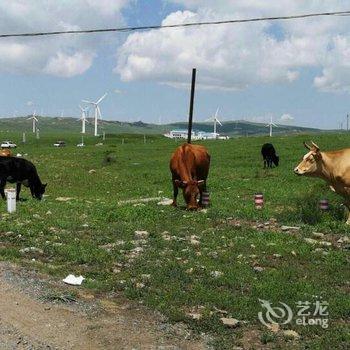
(180, 183)
(307, 146)
(44, 185)
(315, 147)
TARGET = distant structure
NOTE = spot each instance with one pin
(196, 135)
(216, 121)
(84, 113)
(270, 125)
(97, 110)
(34, 121)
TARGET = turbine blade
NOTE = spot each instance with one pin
(86, 101)
(217, 112)
(99, 111)
(101, 98)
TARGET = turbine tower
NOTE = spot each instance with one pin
(97, 110)
(216, 121)
(270, 125)
(34, 121)
(84, 113)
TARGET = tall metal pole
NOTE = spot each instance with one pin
(347, 122)
(190, 117)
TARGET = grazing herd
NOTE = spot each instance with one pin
(189, 166)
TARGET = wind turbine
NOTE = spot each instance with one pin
(270, 125)
(84, 113)
(34, 120)
(97, 110)
(216, 121)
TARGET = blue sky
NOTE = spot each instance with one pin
(151, 94)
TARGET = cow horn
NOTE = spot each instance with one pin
(307, 146)
(199, 182)
(314, 144)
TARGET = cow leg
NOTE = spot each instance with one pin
(347, 209)
(176, 192)
(2, 187)
(265, 163)
(18, 190)
(202, 189)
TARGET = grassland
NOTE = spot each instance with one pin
(191, 262)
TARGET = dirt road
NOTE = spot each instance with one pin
(28, 322)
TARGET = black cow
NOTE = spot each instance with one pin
(20, 171)
(269, 154)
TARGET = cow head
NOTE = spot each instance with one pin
(276, 159)
(311, 163)
(39, 190)
(191, 190)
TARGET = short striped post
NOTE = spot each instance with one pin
(259, 200)
(323, 204)
(205, 199)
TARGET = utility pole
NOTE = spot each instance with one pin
(190, 117)
(347, 122)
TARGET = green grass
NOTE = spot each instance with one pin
(71, 234)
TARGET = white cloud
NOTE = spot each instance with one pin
(240, 55)
(64, 65)
(286, 118)
(63, 56)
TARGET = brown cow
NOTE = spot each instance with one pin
(189, 166)
(5, 152)
(333, 167)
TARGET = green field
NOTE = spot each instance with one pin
(191, 262)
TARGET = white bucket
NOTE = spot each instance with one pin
(11, 200)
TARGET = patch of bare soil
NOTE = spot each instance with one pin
(29, 321)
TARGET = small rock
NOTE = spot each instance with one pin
(290, 228)
(63, 199)
(258, 269)
(194, 316)
(194, 240)
(344, 239)
(293, 253)
(277, 255)
(141, 234)
(31, 250)
(216, 274)
(273, 327)
(318, 234)
(230, 322)
(310, 241)
(289, 333)
(325, 243)
(92, 171)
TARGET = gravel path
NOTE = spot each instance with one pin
(27, 322)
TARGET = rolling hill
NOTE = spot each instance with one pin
(72, 125)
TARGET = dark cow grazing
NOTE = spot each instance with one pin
(189, 166)
(269, 154)
(20, 171)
